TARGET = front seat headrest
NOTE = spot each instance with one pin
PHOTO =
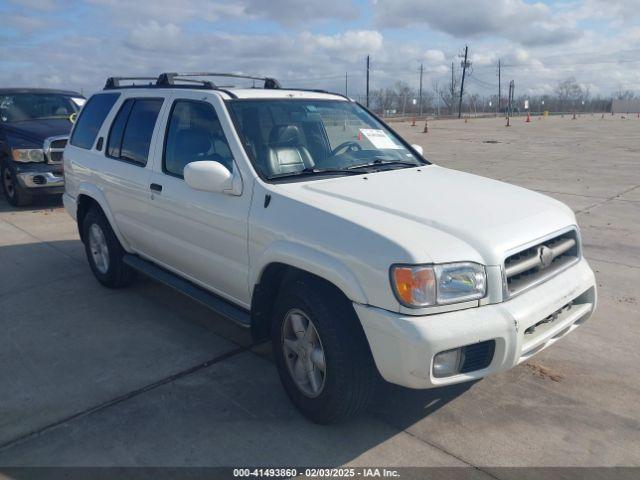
(286, 134)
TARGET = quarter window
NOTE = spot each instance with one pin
(91, 118)
(194, 133)
(114, 144)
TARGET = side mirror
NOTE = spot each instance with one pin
(418, 148)
(208, 176)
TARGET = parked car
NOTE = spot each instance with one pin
(302, 216)
(34, 127)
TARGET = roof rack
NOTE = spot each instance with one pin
(182, 80)
(169, 79)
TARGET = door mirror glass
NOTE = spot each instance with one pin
(208, 176)
(418, 148)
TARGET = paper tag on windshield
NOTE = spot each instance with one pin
(379, 138)
(79, 101)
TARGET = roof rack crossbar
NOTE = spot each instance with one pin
(269, 83)
(114, 82)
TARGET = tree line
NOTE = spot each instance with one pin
(442, 99)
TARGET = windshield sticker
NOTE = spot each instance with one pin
(379, 139)
(78, 101)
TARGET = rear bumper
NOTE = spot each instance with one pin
(403, 346)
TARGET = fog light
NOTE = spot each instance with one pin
(447, 363)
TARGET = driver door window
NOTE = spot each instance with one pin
(194, 134)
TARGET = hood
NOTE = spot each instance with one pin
(445, 214)
(38, 130)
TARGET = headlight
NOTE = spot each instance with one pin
(418, 286)
(26, 155)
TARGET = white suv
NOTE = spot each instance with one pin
(303, 217)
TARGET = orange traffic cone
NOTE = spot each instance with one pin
(426, 127)
(508, 123)
(413, 122)
(528, 120)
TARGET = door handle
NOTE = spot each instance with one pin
(156, 187)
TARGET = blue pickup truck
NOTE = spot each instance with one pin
(34, 128)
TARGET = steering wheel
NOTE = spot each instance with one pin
(350, 146)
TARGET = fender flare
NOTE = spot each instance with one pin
(317, 263)
(96, 194)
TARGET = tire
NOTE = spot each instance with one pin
(12, 190)
(350, 375)
(104, 252)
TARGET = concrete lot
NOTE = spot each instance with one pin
(144, 376)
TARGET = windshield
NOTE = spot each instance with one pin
(287, 138)
(31, 106)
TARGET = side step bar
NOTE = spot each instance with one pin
(218, 304)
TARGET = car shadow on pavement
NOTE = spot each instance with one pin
(403, 407)
(131, 370)
(44, 202)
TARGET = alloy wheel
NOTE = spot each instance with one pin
(99, 248)
(303, 353)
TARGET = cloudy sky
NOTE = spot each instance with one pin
(77, 44)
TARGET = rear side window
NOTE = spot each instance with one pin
(132, 129)
(91, 118)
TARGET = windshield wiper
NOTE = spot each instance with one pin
(380, 162)
(314, 171)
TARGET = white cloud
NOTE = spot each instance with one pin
(350, 44)
(434, 56)
(526, 23)
(288, 12)
(154, 36)
(131, 12)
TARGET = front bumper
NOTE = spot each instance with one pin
(41, 178)
(403, 346)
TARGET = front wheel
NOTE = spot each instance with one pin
(321, 352)
(15, 195)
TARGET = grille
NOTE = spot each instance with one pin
(537, 263)
(477, 356)
(53, 148)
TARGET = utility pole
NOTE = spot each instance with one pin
(465, 65)
(453, 85)
(499, 86)
(420, 91)
(367, 81)
(346, 84)
(512, 88)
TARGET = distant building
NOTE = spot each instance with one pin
(625, 106)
